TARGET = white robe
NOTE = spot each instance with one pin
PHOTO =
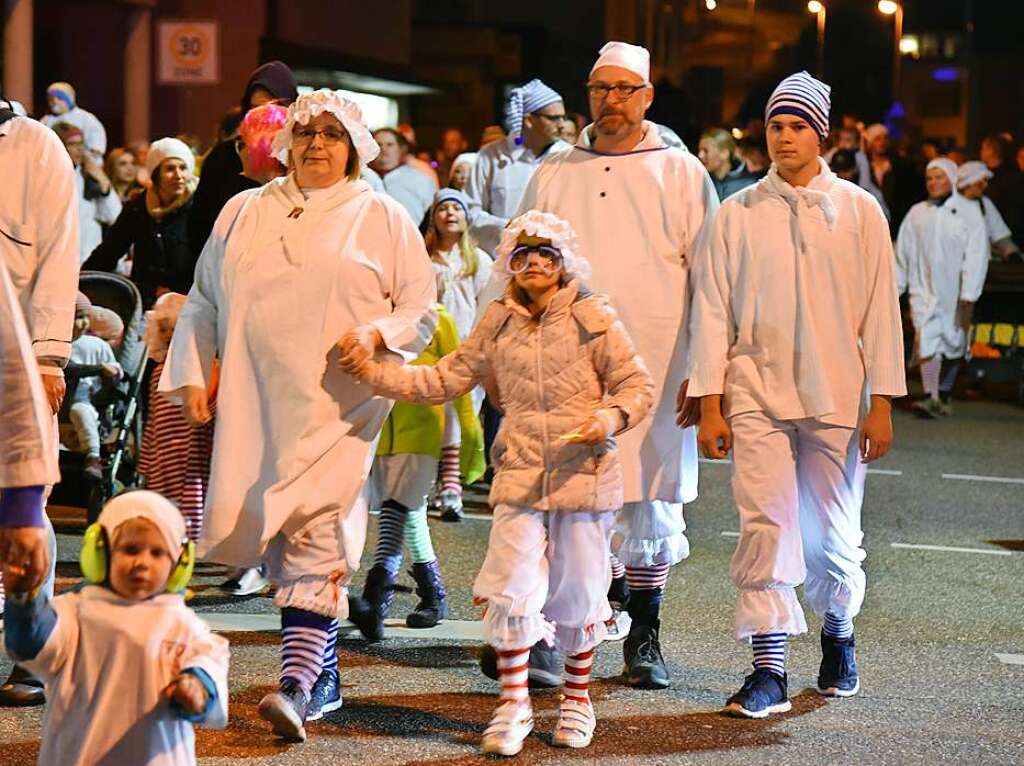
(461, 293)
(411, 188)
(640, 218)
(91, 213)
(272, 297)
(95, 135)
(794, 304)
(106, 665)
(942, 256)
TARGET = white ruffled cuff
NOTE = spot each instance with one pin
(769, 611)
(634, 552)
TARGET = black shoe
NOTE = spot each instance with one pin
(325, 696)
(645, 667)
(430, 588)
(837, 676)
(368, 613)
(21, 689)
(545, 671)
(286, 711)
(763, 693)
(93, 470)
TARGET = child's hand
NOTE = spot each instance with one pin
(110, 371)
(596, 428)
(196, 407)
(188, 693)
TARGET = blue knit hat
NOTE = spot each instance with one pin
(805, 97)
(532, 97)
(64, 92)
(451, 195)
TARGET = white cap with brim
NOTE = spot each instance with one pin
(625, 56)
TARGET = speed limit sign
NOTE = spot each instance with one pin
(188, 53)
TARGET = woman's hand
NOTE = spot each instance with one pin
(195, 407)
(24, 557)
(597, 428)
(714, 436)
(876, 431)
(188, 693)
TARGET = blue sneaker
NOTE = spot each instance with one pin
(325, 696)
(837, 676)
(763, 693)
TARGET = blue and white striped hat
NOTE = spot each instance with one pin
(805, 97)
(525, 100)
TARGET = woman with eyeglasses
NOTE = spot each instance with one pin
(570, 380)
(296, 273)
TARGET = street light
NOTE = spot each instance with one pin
(818, 8)
(894, 9)
(711, 4)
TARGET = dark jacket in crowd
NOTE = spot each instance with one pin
(221, 177)
(737, 178)
(161, 256)
(1006, 190)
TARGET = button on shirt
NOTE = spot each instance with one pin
(496, 185)
(795, 303)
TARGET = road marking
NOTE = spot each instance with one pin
(1010, 659)
(451, 630)
(972, 477)
(884, 472)
(730, 534)
(436, 515)
(724, 461)
(952, 549)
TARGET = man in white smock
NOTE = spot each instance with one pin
(941, 261)
(290, 270)
(534, 115)
(794, 322)
(640, 209)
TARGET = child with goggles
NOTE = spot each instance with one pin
(568, 379)
(128, 668)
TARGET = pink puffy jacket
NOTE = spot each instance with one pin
(551, 374)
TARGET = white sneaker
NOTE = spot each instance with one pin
(451, 505)
(245, 582)
(576, 724)
(619, 624)
(511, 725)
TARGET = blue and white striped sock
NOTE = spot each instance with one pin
(303, 645)
(837, 627)
(331, 650)
(390, 536)
(770, 652)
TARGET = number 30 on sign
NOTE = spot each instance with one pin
(188, 53)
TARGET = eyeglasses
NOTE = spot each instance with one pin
(305, 135)
(623, 91)
(519, 258)
(552, 117)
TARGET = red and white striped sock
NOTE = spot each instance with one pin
(647, 578)
(450, 473)
(576, 680)
(513, 669)
(618, 568)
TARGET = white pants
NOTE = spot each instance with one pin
(405, 477)
(798, 486)
(86, 421)
(546, 576)
(649, 533)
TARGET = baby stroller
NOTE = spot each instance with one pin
(118, 405)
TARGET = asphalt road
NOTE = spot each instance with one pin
(940, 641)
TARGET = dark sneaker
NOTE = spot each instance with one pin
(645, 667)
(369, 611)
(546, 665)
(286, 711)
(927, 408)
(763, 693)
(325, 696)
(21, 689)
(837, 676)
(433, 605)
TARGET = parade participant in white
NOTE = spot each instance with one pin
(794, 322)
(39, 246)
(98, 203)
(942, 260)
(640, 209)
(62, 101)
(289, 270)
(971, 181)
(403, 182)
(533, 117)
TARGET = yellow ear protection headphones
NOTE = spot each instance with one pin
(95, 559)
